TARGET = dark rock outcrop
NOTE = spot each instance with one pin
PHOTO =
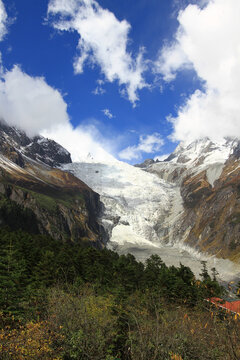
(64, 207)
(146, 163)
(15, 144)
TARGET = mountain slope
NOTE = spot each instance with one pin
(208, 176)
(64, 207)
(185, 208)
(145, 213)
(16, 145)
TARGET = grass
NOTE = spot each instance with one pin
(51, 200)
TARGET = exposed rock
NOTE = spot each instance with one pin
(65, 207)
(208, 175)
(195, 189)
(15, 145)
(146, 163)
(216, 225)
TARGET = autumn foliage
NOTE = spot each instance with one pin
(66, 301)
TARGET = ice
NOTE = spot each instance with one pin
(130, 196)
(141, 210)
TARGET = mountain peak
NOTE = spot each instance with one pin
(16, 145)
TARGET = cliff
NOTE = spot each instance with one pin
(208, 177)
(62, 205)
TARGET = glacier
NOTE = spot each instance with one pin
(141, 210)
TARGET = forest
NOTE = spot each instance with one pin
(71, 301)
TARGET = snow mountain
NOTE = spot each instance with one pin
(186, 208)
(17, 145)
(156, 208)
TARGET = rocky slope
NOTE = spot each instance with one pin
(161, 208)
(63, 206)
(208, 177)
(185, 208)
(15, 144)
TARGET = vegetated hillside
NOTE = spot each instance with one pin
(62, 205)
(64, 301)
(208, 176)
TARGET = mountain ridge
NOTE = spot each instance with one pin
(65, 208)
(142, 221)
(170, 208)
(209, 185)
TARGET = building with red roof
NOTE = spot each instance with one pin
(231, 305)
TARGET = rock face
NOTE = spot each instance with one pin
(15, 144)
(64, 207)
(208, 176)
(190, 201)
(146, 163)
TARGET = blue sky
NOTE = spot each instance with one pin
(41, 40)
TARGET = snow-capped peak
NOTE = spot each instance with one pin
(204, 151)
(193, 158)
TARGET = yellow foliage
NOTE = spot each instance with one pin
(176, 357)
(28, 342)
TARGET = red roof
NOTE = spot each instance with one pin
(233, 306)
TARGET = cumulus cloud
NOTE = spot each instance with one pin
(84, 142)
(208, 40)
(171, 59)
(3, 20)
(147, 144)
(108, 113)
(29, 102)
(103, 41)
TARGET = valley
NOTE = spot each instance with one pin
(185, 209)
(146, 211)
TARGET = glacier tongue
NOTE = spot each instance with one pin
(135, 201)
(140, 214)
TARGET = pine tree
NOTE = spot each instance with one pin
(12, 277)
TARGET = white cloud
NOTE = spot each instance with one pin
(3, 21)
(99, 90)
(83, 142)
(103, 40)
(208, 39)
(147, 144)
(29, 102)
(108, 113)
(171, 59)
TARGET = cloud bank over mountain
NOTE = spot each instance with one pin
(30, 103)
(207, 40)
(147, 144)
